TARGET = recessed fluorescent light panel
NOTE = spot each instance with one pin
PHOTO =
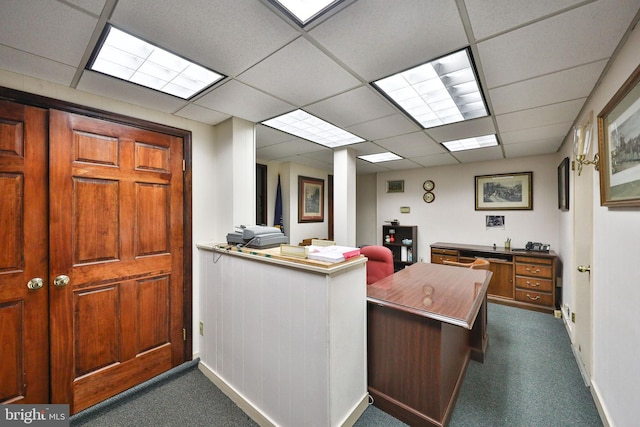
(380, 157)
(129, 58)
(439, 92)
(304, 11)
(304, 125)
(471, 143)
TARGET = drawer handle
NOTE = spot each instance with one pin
(534, 272)
(533, 284)
(533, 299)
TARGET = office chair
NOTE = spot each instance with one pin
(478, 264)
(379, 264)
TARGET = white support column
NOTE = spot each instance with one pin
(344, 196)
(236, 163)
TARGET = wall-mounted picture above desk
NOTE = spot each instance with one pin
(507, 191)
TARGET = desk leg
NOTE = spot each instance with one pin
(479, 337)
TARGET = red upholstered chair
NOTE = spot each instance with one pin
(380, 263)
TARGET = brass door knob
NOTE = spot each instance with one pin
(35, 283)
(584, 269)
(61, 281)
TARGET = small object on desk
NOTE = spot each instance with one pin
(332, 254)
(494, 246)
(507, 244)
(294, 251)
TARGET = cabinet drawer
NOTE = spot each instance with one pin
(534, 283)
(533, 297)
(533, 260)
(440, 258)
(534, 270)
(440, 251)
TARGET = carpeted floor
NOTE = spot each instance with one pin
(529, 378)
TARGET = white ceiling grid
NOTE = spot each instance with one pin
(537, 61)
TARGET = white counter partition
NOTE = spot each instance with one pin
(285, 338)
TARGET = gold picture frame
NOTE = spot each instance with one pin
(619, 146)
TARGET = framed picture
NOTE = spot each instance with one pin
(310, 199)
(507, 191)
(395, 186)
(619, 146)
(563, 185)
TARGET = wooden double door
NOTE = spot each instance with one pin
(91, 258)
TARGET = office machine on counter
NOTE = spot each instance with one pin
(257, 236)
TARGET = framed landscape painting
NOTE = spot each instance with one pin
(507, 191)
(619, 146)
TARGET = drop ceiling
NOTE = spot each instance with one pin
(538, 61)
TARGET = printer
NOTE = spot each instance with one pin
(257, 236)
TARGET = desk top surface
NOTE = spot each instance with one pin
(441, 292)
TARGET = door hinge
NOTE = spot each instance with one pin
(184, 334)
(184, 165)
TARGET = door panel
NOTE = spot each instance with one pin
(24, 358)
(116, 232)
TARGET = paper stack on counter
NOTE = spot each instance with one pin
(332, 253)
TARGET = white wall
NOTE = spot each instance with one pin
(616, 282)
(452, 216)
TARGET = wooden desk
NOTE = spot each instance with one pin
(423, 323)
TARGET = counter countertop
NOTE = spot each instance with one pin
(272, 255)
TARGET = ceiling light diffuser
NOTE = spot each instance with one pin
(439, 92)
(304, 125)
(129, 58)
(305, 10)
(471, 143)
(380, 157)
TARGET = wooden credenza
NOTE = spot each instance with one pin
(523, 279)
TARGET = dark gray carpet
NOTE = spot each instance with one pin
(529, 378)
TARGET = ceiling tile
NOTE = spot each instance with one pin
(356, 106)
(35, 66)
(109, 87)
(52, 30)
(547, 46)
(229, 36)
(562, 112)
(433, 160)
(384, 127)
(532, 148)
(574, 83)
(375, 39)
(415, 144)
(266, 136)
(202, 114)
(285, 149)
(489, 17)
(286, 74)
(477, 127)
(479, 155)
(240, 100)
(556, 131)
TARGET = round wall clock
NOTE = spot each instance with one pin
(429, 197)
(428, 185)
